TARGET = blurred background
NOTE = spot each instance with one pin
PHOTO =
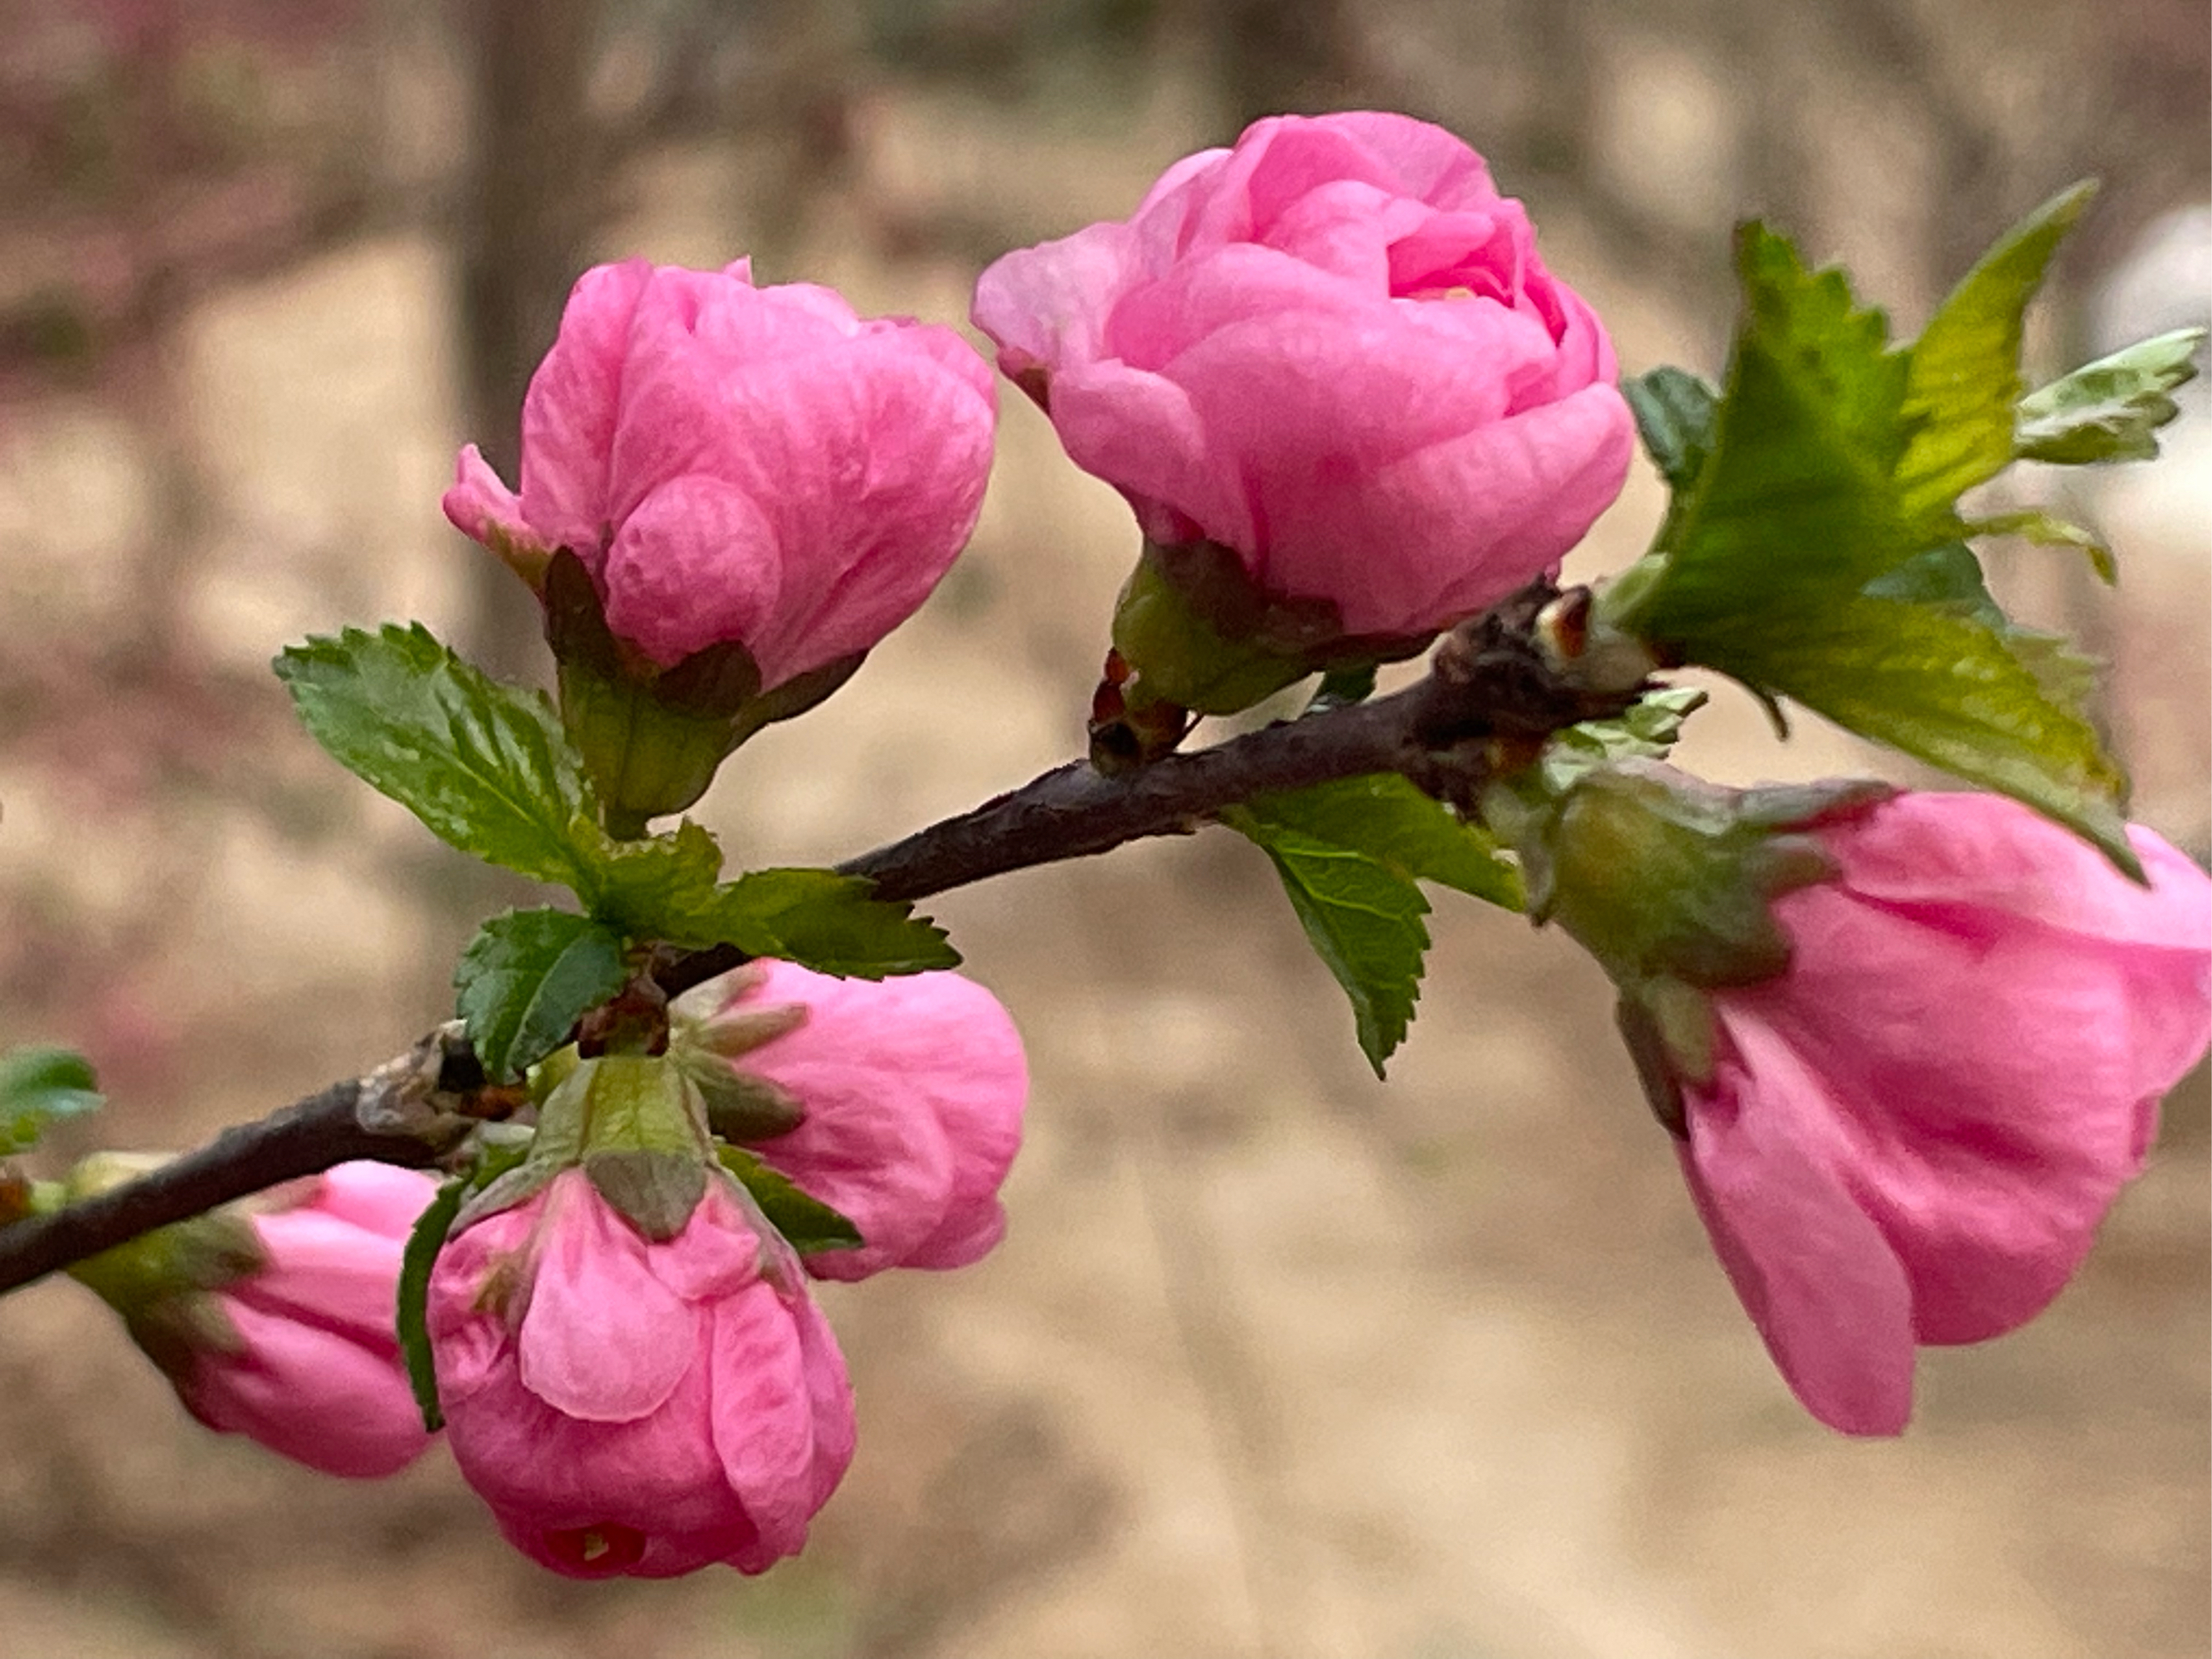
(1276, 1362)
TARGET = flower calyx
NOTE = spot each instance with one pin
(1670, 883)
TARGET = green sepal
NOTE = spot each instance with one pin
(40, 1086)
(2108, 411)
(424, 1241)
(1660, 876)
(808, 1225)
(1180, 655)
(526, 979)
(654, 1191)
(647, 758)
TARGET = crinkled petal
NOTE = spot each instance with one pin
(603, 1340)
(697, 563)
(762, 1418)
(574, 406)
(317, 1398)
(914, 1090)
(1818, 1278)
(1996, 1084)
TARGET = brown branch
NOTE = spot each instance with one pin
(1490, 698)
(402, 1112)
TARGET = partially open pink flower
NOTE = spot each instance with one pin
(281, 1326)
(1335, 349)
(629, 1406)
(913, 1090)
(735, 463)
(1910, 1136)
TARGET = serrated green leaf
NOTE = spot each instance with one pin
(526, 979)
(2033, 525)
(2108, 411)
(486, 767)
(1964, 381)
(1820, 554)
(810, 1225)
(1387, 818)
(416, 1261)
(1994, 704)
(645, 889)
(1674, 410)
(40, 1086)
(1364, 920)
(819, 920)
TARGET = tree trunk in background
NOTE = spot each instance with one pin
(1274, 59)
(530, 203)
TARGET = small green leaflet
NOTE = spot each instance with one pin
(1792, 557)
(526, 978)
(487, 768)
(1349, 854)
(40, 1086)
(819, 920)
(2108, 410)
(1674, 411)
(1385, 817)
(416, 1261)
(809, 1225)
(1647, 732)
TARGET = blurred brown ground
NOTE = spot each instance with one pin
(1276, 1361)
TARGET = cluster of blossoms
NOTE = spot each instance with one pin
(1350, 407)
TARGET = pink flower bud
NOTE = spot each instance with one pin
(300, 1352)
(1333, 349)
(912, 1089)
(741, 465)
(631, 1407)
(1910, 1135)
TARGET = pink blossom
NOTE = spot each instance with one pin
(1335, 349)
(913, 1090)
(314, 1372)
(632, 1407)
(1910, 1136)
(734, 463)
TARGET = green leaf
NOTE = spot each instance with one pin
(1649, 731)
(1964, 381)
(416, 1261)
(1996, 705)
(486, 767)
(1818, 553)
(1386, 818)
(819, 920)
(2108, 410)
(2033, 525)
(645, 889)
(39, 1087)
(526, 979)
(1675, 412)
(1364, 920)
(806, 1221)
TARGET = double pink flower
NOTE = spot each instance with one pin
(1335, 349)
(1910, 1135)
(733, 464)
(641, 1404)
